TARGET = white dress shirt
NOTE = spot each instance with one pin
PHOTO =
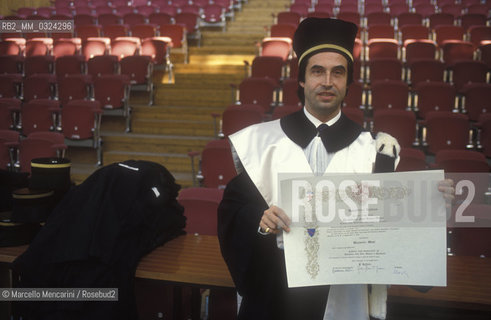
(315, 152)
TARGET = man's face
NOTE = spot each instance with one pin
(325, 84)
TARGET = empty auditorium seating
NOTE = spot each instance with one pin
(448, 32)
(283, 30)
(351, 16)
(449, 7)
(425, 9)
(384, 69)
(396, 8)
(287, 17)
(289, 93)
(103, 64)
(216, 164)
(38, 64)
(380, 31)
(484, 52)
(237, 117)
(478, 34)
(456, 50)
(95, 46)
(477, 99)
(356, 97)
(125, 46)
(147, 10)
(382, 48)
(112, 91)
(300, 8)
(425, 70)
(281, 111)
(73, 64)
(88, 31)
(39, 86)
(213, 16)
(434, 96)
(446, 130)
(472, 19)
(411, 160)
(38, 46)
(74, 87)
(178, 34)
(378, 17)
(10, 85)
(40, 115)
(8, 139)
(143, 31)
(267, 67)
(461, 161)
(11, 64)
(39, 145)
(82, 19)
(464, 72)
(389, 94)
(139, 70)
(413, 31)
(12, 46)
(66, 47)
(418, 49)
(401, 124)
(276, 47)
(81, 121)
(200, 208)
(108, 18)
(357, 115)
(9, 113)
(260, 91)
(112, 31)
(158, 49)
(440, 19)
(191, 21)
(133, 18)
(485, 133)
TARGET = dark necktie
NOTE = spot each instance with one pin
(323, 132)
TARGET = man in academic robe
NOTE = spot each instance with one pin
(317, 140)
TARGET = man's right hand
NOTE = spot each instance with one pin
(274, 220)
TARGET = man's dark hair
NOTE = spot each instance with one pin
(301, 76)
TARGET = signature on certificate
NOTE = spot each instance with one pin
(398, 270)
(368, 267)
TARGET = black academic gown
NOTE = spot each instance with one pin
(95, 238)
(256, 264)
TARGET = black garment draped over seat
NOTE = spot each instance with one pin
(96, 236)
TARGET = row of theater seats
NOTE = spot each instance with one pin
(68, 76)
(215, 174)
(17, 152)
(111, 91)
(64, 64)
(128, 20)
(439, 130)
(77, 123)
(146, 7)
(267, 86)
(18, 49)
(394, 7)
(122, 7)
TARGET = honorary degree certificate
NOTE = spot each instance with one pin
(387, 228)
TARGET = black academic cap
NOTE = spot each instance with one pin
(324, 34)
